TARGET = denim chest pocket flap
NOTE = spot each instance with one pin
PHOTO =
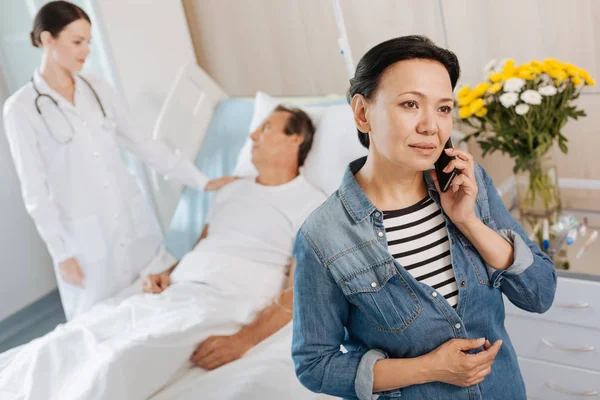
(383, 295)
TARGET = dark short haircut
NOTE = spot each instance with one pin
(53, 17)
(299, 123)
(376, 61)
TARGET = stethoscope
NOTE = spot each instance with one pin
(63, 138)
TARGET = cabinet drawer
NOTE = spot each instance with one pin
(556, 382)
(556, 342)
(577, 302)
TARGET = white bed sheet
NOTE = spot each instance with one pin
(265, 372)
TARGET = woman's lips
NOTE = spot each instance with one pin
(423, 148)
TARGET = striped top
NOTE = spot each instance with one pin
(417, 238)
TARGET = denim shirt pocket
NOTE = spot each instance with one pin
(383, 296)
(472, 255)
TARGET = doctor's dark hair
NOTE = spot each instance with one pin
(53, 17)
(299, 123)
(376, 61)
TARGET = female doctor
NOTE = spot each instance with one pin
(64, 131)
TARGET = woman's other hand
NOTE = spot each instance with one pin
(451, 364)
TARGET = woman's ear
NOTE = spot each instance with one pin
(359, 107)
(45, 38)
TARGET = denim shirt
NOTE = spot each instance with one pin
(348, 290)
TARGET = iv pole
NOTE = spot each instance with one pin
(343, 38)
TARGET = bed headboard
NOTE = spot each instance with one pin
(181, 125)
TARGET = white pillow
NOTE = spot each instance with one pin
(263, 107)
(335, 145)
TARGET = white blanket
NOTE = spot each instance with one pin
(125, 351)
(265, 373)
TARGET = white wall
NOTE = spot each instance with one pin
(289, 47)
(26, 268)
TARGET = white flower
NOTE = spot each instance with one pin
(531, 97)
(522, 109)
(489, 67)
(546, 79)
(514, 85)
(509, 99)
(547, 90)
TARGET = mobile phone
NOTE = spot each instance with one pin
(445, 179)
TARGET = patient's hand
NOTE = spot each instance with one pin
(220, 350)
(156, 283)
(218, 183)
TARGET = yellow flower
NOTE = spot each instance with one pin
(546, 68)
(495, 88)
(463, 92)
(495, 77)
(573, 71)
(583, 73)
(509, 70)
(590, 81)
(482, 112)
(480, 89)
(526, 73)
(558, 74)
(536, 64)
(465, 101)
(476, 105)
(465, 112)
(576, 80)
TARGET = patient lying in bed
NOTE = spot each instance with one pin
(229, 293)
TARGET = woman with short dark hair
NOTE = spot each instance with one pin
(407, 277)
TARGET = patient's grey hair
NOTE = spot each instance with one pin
(299, 123)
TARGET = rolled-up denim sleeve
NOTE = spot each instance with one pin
(530, 282)
(320, 314)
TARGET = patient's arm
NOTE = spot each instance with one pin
(220, 350)
(203, 235)
(156, 283)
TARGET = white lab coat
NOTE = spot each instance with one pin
(80, 194)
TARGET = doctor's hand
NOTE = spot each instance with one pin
(71, 272)
(458, 201)
(156, 283)
(220, 350)
(218, 183)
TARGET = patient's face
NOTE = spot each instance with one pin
(271, 146)
(410, 114)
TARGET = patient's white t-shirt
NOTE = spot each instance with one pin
(252, 228)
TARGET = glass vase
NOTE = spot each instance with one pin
(538, 195)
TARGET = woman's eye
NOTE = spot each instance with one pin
(446, 109)
(77, 42)
(410, 104)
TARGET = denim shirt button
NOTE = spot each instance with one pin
(457, 326)
(452, 241)
(434, 294)
(380, 234)
(378, 214)
(463, 283)
(373, 284)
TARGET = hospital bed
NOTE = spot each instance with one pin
(199, 120)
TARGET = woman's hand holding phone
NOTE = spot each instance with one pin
(458, 201)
